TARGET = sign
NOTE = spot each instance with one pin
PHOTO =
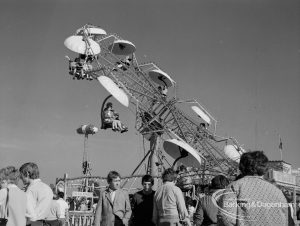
(82, 194)
(283, 177)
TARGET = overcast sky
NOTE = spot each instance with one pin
(240, 58)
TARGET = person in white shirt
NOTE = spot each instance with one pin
(53, 216)
(14, 208)
(63, 208)
(39, 195)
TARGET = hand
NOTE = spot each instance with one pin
(125, 221)
(186, 222)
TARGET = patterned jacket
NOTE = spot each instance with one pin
(252, 200)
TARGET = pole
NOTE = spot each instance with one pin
(65, 185)
(153, 168)
(280, 146)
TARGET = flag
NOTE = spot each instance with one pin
(280, 143)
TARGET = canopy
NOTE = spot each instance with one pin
(232, 152)
(91, 31)
(174, 147)
(122, 47)
(76, 43)
(114, 90)
(96, 31)
(161, 78)
(201, 114)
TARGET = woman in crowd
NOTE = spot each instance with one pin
(12, 199)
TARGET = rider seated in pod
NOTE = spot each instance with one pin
(112, 118)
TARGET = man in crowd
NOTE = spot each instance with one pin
(53, 215)
(63, 208)
(252, 200)
(39, 195)
(142, 203)
(113, 208)
(169, 206)
(207, 210)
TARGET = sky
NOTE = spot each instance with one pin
(239, 58)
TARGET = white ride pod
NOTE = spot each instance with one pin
(122, 47)
(87, 129)
(114, 90)
(91, 31)
(232, 152)
(77, 44)
(95, 31)
(161, 78)
(201, 114)
(173, 147)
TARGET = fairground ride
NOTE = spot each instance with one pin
(150, 93)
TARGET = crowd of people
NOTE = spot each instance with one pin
(248, 200)
(35, 205)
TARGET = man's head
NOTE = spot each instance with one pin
(147, 182)
(169, 175)
(253, 163)
(29, 171)
(114, 180)
(109, 105)
(60, 195)
(219, 182)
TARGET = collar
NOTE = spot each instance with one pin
(169, 183)
(34, 181)
(109, 190)
(12, 186)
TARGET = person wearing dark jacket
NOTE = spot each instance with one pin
(142, 203)
(207, 210)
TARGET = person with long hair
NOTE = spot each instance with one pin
(12, 198)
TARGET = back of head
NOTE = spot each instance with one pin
(253, 163)
(182, 169)
(10, 174)
(219, 182)
(169, 175)
(112, 175)
(60, 195)
(31, 169)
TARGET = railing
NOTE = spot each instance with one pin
(77, 218)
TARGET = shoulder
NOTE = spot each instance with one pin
(123, 192)
(56, 204)
(137, 194)
(3, 191)
(176, 189)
